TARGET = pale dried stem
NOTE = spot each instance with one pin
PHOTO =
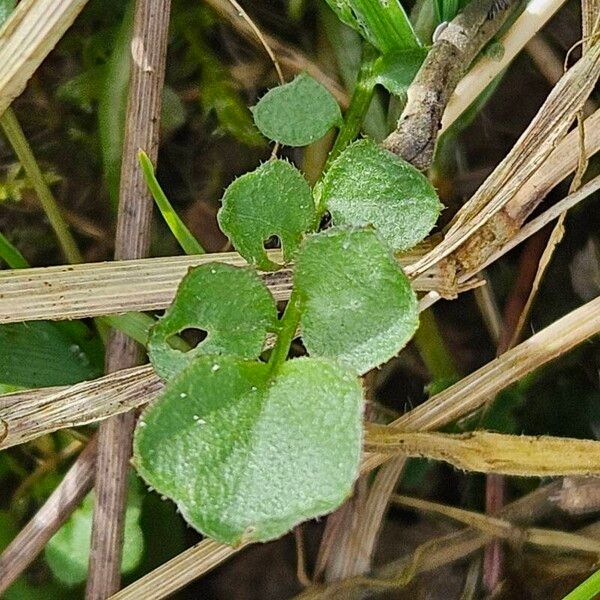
(178, 572)
(503, 528)
(142, 126)
(473, 391)
(485, 452)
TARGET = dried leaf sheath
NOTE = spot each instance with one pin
(485, 452)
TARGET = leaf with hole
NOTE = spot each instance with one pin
(273, 200)
(367, 185)
(67, 552)
(247, 454)
(357, 305)
(297, 113)
(232, 305)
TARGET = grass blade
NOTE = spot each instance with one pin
(187, 241)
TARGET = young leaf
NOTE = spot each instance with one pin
(231, 304)
(384, 23)
(40, 354)
(246, 457)
(357, 305)
(367, 185)
(297, 113)
(67, 552)
(275, 199)
(396, 70)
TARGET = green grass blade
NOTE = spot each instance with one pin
(588, 590)
(178, 228)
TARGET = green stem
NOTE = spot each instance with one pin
(288, 326)
(17, 139)
(359, 103)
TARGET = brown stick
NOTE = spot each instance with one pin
(22, 551)
(148, 48)
(454, 50)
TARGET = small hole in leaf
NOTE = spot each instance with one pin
(272, 242)
(187, 339)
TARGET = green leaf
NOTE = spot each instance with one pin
(357, 305)
(367, 185)
(40, 354)
(384, 23)
(67, 552)
(247, 457)
(297, 113)
(275, 199)
(231, 304)
(395, 71)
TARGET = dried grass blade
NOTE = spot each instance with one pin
(97, 289)
(548, 127)
(177, 572)
(27, 37)
(25, 416)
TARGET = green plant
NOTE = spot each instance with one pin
(247, 442)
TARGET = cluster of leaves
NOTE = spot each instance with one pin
(247, 442)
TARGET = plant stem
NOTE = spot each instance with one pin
(16, 137)
(150, 32)
(288, 325)
(359, 103)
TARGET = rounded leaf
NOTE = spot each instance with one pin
(367, 185)
(232, 305)
(357, 304)
(275, 199)
(247, 457)
(297, 113)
